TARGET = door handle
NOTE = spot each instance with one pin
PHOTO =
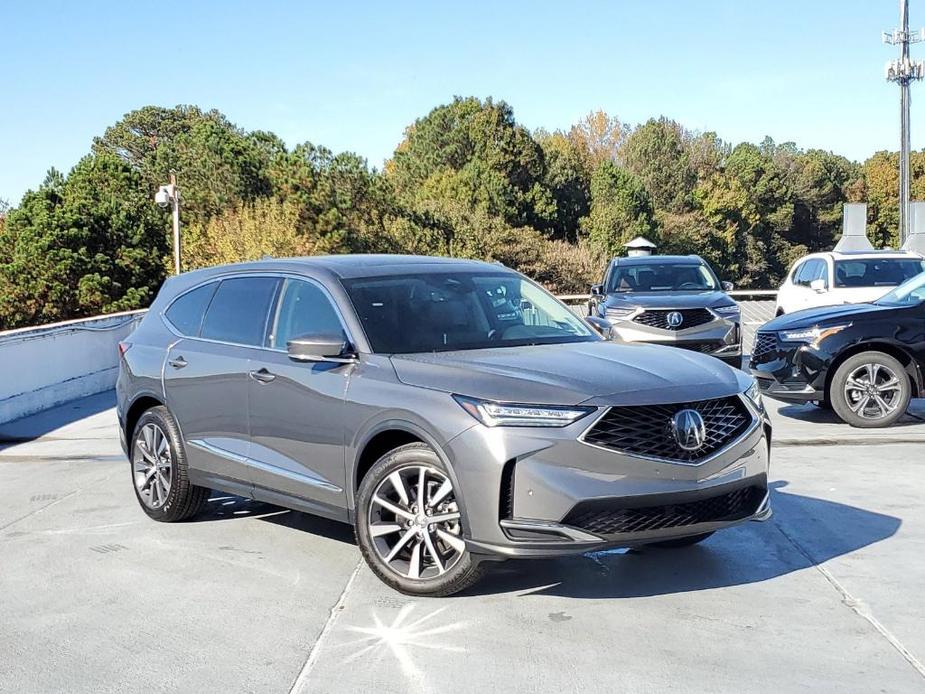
(178, 363)
(261, 375)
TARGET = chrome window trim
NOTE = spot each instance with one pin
(273, 274)
(756, 421)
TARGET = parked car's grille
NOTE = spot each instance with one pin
(610, 517)
(690, 318)
(705, 347)
(764, 343)
(646, 429)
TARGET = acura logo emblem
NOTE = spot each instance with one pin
(688, 429)
(675, 319)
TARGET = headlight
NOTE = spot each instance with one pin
(501, 414)
(730, 310)
(813, 335)
(754, 394)
(611, 313)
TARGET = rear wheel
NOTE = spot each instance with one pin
(682, 541)
(159, 470)
(870, 390)
(409, 524)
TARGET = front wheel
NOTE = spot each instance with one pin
(870, 390)
(409, 524)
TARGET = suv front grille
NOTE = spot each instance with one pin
(610, 517)
(646, 429)
(703, 347)
(690, 318)
(764, 343)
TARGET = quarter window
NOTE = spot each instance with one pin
(185, 313)
(238, 312)
(303, 309)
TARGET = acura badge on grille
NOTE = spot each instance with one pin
(675, 318)
(688, 429)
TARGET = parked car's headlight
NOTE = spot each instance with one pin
(502, 414)
(731, 310)
(611, 313)
(813, 335)
(754, 394)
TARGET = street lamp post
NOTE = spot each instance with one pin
(169, 196)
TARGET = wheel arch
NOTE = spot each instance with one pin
(141, 404)
(387, 436)
(896, 351)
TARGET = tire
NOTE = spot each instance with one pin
(848, 390)
(682, 541)
(435, 552)
(162, 488)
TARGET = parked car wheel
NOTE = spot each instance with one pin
(870, 389)
(409, 524)
(159, 470)
(682, 541)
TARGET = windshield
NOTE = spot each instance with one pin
(876, 272)
(447, 311)
(665, 277)
(909, 293)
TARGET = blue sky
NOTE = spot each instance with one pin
(353, 75)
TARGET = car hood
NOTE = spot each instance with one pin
(679, 299)
(594, 373)
(825, 315)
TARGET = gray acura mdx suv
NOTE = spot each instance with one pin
(673, 300)
(453, 411)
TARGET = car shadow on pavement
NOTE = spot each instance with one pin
(819, 415)
(804, 532)
(221, 506)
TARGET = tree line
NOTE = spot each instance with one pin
(466, 180)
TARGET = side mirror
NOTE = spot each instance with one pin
(597, 290)
(320, 347)
(818, 286)
(728, 286)
(601, 325)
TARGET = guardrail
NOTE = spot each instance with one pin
(51, 364)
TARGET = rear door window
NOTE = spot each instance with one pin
(239, 310)
(186, 312)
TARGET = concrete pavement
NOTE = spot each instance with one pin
(94, 597)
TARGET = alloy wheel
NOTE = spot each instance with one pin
(414, 522)
(151, 465)
(873, 391)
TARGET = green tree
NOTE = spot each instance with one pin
(568, 178)
(621, 209)
(217, 164)
(88, 244)
(657, 153)
(474, 153)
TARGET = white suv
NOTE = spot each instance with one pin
(849, 277)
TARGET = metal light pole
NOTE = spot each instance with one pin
(904, 71)
(169, 195)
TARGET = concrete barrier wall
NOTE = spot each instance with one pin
(45, 366)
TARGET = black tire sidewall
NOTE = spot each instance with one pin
(466, 570)
(836, 393)
(178, 498)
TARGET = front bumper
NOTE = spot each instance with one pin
(721, 337)
(791, 372)
(525, 489)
